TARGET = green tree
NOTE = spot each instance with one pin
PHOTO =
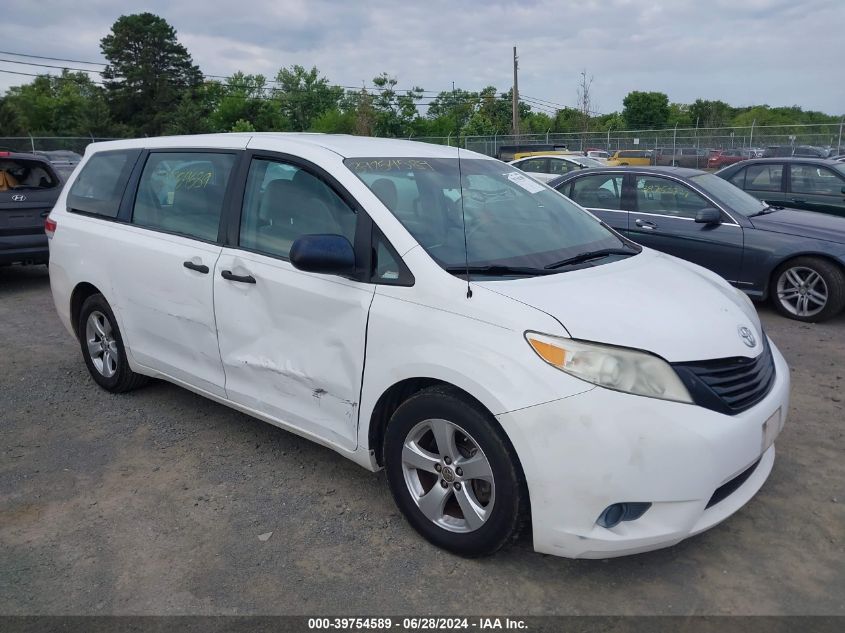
(395, 114)
(148, 73)
(66, 105)
(304, 95)
(710, 113)
(645, 110)
(245, 97)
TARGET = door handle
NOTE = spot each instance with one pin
(200, 268)
(798, 201)
(646, 224)
(244, 279)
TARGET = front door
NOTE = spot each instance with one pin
(664, 219)
(292, 342)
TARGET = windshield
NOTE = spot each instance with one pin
(729, 194)
(511, 220)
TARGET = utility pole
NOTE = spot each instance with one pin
(515, 95)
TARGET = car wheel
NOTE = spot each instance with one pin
(453, 473)
(102, 347)
(809, 289)
(623, 164)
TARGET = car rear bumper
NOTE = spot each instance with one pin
(582, 454)
(28, 248)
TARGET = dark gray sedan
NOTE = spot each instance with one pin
(795, 257)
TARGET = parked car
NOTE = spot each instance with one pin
(549, 166)
(723, 157)
(625, 157)
(63, 161)
(598, 154)
(432, 311)
(512, 152)
(29, 187)
(681, 157)
(814, 184)
(780, 151)
(794, 257)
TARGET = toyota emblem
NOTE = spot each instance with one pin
(747, 336)
(18, 197)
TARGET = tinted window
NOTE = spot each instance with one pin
(535, 165)
(764, 177)
(283, 202)
(734, 197)
(815, 179)
(559, 167)
(183, 193)
(738, 178)
(20, 174)
(598, 192)
(99, 186)
(668, 197)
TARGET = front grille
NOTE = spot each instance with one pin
(729, 385)
(727, 489)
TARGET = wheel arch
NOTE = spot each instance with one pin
(776, 265)
(80, 293)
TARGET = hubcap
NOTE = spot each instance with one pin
(102, 348)
(448, 475)
(802, 291)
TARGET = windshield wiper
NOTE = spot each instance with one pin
(584, 257)
(496, 270)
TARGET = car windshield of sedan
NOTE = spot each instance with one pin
(732, 196)
(514, 225)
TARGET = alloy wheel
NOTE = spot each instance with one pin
(102, 346)
(802, 291)
(448, 476)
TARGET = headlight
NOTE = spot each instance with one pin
(618, 368)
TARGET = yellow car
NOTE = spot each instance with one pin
(623, 157)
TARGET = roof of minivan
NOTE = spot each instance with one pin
(343, 144)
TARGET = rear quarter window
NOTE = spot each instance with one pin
(99, 187)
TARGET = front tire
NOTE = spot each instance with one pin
(808, 289)
(102, 347)
(453, 473)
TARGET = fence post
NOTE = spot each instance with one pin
(751, 137)
(839, 144)
(31, 141)
(674, 138)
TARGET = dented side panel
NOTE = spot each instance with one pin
(292, 343)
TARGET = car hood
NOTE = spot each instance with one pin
(820, 226)
(651, 301)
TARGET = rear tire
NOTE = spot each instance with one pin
(453, 473)
(102, 347)
(808, 289)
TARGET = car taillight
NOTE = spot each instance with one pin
(50, 226)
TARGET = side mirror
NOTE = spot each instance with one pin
(327, 254)
(708, 216)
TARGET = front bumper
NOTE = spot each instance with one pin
(581, 454)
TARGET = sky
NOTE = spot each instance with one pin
(744, 52)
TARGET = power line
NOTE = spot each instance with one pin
(83, 70)
(55, 59)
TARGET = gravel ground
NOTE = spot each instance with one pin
(152, 503)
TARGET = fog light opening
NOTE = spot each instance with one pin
(615, 513)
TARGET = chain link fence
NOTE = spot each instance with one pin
(48, 143)
(827, 136)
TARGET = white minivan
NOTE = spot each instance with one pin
(505, 356)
